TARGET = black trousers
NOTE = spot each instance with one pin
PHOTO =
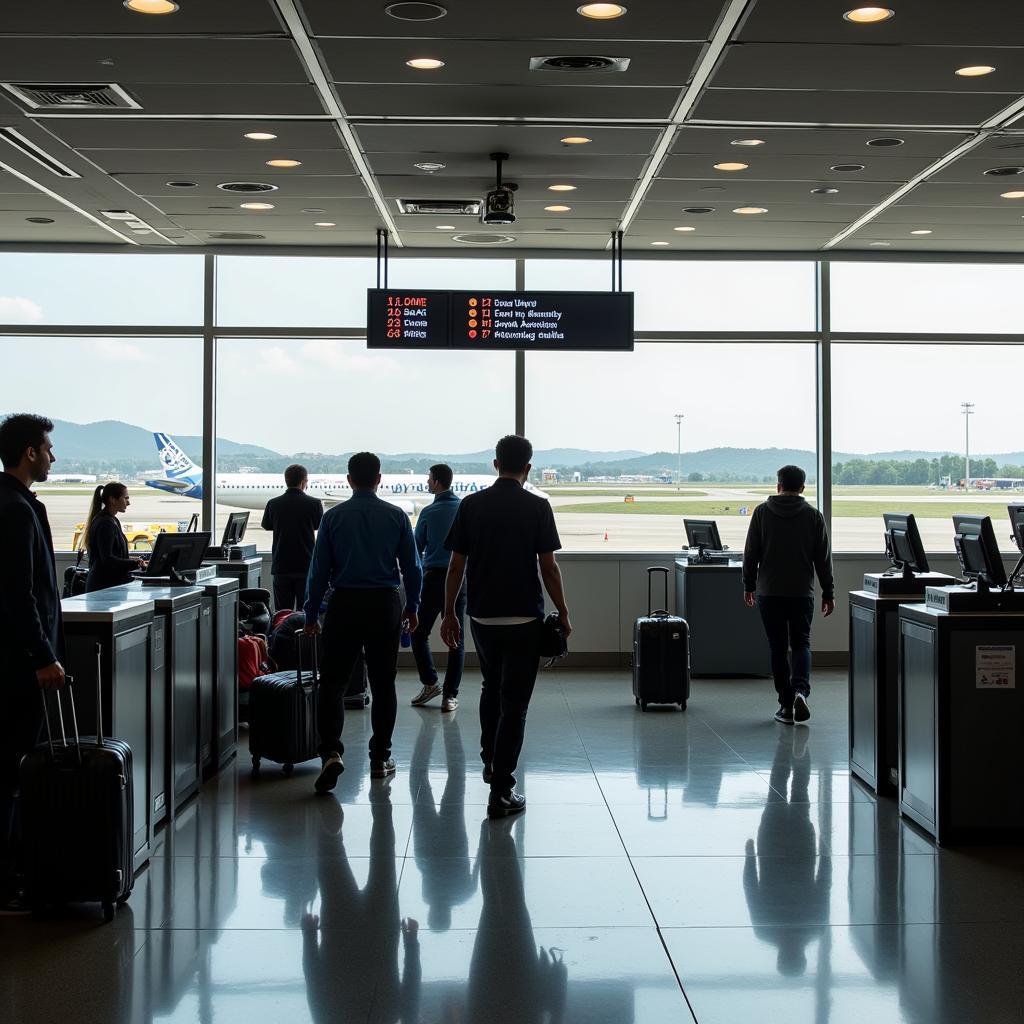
(358, 621)
(289, 591)
(509, 660)
(21, 726)
(432, 605)
(787, 624)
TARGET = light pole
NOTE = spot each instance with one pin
(679, 448)
(967, 408)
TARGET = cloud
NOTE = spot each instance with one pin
(17, 310)
(339, 357)
(118, 351)
(276, 360)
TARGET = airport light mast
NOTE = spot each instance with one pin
(967, 408)
(679, 448)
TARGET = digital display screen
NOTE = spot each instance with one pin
(533, 321)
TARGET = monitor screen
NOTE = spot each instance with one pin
(234, 529)
(977, 549)
(1017, 522)
(702, 533)
(905, 547)
(181, 551)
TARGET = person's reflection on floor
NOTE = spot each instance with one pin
(787, 882)
(350, 951)
(439, 841)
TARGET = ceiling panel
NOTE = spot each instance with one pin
(222, 204)
(139, 133)
(676, 194)
(243, 163)
(767, 166)
(340, 186)
(434, 186)
(66, 227)
(563, 167)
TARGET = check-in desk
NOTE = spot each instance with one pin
(218, 687)
(248, 571)
(726, 637)
(874, 673)
(132, 709)
(962, 720)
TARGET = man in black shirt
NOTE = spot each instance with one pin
(503, 532)
(293, 518)
(31, 630)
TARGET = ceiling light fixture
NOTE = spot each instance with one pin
(325, 224)
(284, 163)
(1004, 172)
(731, 165)
(260, 136)
(659, 243)
(922, 231)
(747, 142)
(884, 142)
(425, 63)
(561, 188)
(558, 209)
(256, 206)
(415, 11)
(869, 15)
(39, 220)
(430, 166)
(445, 227)
(975, 71)
(1011, 195)
(575, 140)
(685, 227)
(879, 243)
(847, 167)
(750, 209)
(313, 209)
(151, 6)
(183, 184)
(824, 191)
(601, 12)
(698, 209)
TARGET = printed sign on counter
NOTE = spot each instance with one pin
(995, 667)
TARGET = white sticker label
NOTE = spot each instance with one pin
(995, 667)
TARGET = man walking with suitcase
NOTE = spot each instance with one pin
(503, 532)
(293, 518)
(31, 633)
(364, 549)
(787, 544)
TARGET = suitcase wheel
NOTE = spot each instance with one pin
(637, 699)
(109, 909)
(643, 705)
(255, 766)
(682, 706)
(287, 769)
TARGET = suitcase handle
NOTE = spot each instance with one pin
(68, 680)
(651, 569)
(298, 658)
(99, 695)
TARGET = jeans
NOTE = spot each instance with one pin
(787, 623)
(509, 660)
(289, 591)
(368, 621)
(432, 605)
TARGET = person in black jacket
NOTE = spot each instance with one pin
(109, 564)
(787, 544)
(293, 518)
(31, 632)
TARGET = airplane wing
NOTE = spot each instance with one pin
(167, 484)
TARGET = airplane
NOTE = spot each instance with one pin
(253, 490)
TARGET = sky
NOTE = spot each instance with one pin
(333, 395)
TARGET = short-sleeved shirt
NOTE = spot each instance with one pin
(501, 531)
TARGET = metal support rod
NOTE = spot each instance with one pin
(382, 257)
(823, 374)
(619, 249)
(520, 362)
(209, 393)
(967, 409)
(679, 447)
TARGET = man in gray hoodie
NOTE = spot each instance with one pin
(787, 544)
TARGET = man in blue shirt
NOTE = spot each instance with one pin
(431, 530)
(361, 546)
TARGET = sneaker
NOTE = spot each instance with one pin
(15, 904)
(784, 715)
(449, 703)
(382, 769)
(331, 768)
(427, 694)
(501, 805)
(801, 709)
(488, 774)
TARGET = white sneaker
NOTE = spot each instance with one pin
(427, 694)
(449, 703)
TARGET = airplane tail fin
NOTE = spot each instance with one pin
(175, 463)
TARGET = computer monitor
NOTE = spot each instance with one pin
(1017, 522)
(234, 530)
(976, 547)
(181, 551)
(903, 543)
(703, 534)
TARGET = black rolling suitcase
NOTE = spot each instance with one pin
(282, 714)
(661, 654)
(76, 810)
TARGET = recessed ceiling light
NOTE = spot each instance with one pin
(659, 243)
(879, 243)
(881, 143)
(260, 136)
(921, 231)
(1012, 195)
(39, 220)
(731, 165)
(151, 6)
(1004, 172)
(445, 227)
(425, 63)
(975, 71)
(257, 206)
(284, 163)
(601, 12)
(325, 224)
(576, 140)
(558, 209)
(698, 209)
(685, 227)
(747, 142)
(750, 209)
(415, 11)
(869, 15)
(824, 191)
(182, 184)
(847, 167)
(561, 188)
(313, 209)
(430, 166)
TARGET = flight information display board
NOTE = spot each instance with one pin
(533, 321)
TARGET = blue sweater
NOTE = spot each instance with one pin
(432, 530)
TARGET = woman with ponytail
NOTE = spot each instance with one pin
(109, 564)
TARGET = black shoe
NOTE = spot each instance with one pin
(501, 805)
(784, 715)
(801, 710)
(382, 769)
(14, 904)
(488, 774)
(331, 768)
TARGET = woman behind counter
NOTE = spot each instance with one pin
(109, 564)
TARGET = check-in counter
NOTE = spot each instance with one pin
(218, 729)
(248, 571)
(123, 633)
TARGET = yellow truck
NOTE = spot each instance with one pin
(140, 536)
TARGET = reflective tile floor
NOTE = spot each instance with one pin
(711, 866)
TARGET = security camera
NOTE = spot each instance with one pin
(499, 203)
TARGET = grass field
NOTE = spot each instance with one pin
(612, 492)
(840, 509)
(702, 509)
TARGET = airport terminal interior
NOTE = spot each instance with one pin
(677, 245)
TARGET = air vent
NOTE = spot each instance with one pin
(28, 148)
(246, 186)
(235, 236)
(698, 209)
(71, 97)
(480, 238)
(444, 207)
(579, 62)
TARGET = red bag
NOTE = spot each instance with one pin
(253, 660)
(279, 617)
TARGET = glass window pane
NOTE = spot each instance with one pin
(899, 438)
(316, 401)
(603, 426)
(106, 432)
(64, 288)
(696, 295)
(922, 297)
